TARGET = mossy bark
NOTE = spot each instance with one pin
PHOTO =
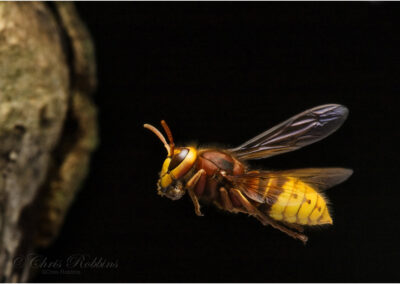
(48, 126)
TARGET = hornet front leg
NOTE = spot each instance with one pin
(190, 185)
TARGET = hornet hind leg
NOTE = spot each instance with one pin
(296, 227)
(264, 219)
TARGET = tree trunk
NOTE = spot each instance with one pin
(48, 126)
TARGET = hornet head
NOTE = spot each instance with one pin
(177, 164)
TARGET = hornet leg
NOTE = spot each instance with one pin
(226, 203)
(265, 219)
(190, 187)
(295, 226)
(225, 200)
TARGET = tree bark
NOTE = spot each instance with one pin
(48, 124)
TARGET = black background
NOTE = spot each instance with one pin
(222, 73)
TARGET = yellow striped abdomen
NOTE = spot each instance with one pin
(294, 201)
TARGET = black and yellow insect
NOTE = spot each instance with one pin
(287, 200)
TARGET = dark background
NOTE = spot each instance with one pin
(222, 73)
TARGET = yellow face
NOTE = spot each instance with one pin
(173, 170)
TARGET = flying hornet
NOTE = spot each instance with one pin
(287, 200)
